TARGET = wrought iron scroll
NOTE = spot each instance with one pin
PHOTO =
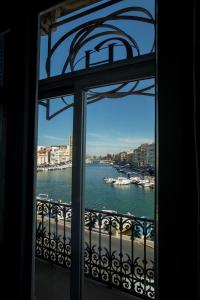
(119, 249)
(53, 243)
(104, 35)
(85, 33)
(47, 104)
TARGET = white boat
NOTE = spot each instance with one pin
(149, 184)
(134, 179)
(122, 181)
(143, 181)
(109, 180)
(146, 184)
(109, 211)
(43, 197)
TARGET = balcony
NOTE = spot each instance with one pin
(119, 253)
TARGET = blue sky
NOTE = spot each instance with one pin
(112, 125)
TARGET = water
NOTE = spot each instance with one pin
(99, 195)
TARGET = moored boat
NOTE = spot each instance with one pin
(43, 197)
(109, 180)
(122, 181)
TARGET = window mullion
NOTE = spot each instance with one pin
(78, 206)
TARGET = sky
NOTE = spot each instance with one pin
(113, 125)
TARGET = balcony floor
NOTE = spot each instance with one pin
(52, 283)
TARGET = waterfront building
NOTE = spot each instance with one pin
(58, 154)
(136, 157)
(69, 149)
(54, 155)
(116, 157)
(129, 157)
(144, 155)
(43, 155)
(123, 156)
(150, 155)
(63, 155)
(109, 156)
(120, 157)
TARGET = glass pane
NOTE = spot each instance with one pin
(121, 142)
(119, 216)
(120, 186)
(54, 181)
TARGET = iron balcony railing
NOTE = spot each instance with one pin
(119, 249)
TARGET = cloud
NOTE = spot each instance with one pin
(96, 135)
(135, 140)
(101, 144)
(51, 137)
(110, 144)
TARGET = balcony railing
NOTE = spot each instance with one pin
(119, 249)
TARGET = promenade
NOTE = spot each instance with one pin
(133, 248)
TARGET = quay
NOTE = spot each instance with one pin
(56, 228)
(114, 235)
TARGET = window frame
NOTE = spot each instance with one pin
(171, 78)
(135, 69)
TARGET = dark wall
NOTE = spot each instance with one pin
(17, 111)
(177, 165)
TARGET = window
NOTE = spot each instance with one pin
(178, 236)
(94, 54)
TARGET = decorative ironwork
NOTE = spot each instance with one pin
(50, 115)
(89, 31)
(119, 249)
(102, 35)
(52, 242)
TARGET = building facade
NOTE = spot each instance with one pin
(54, 155)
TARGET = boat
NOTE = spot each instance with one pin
(135, 179)
(43, 197)
(149, 184)
(122, 181)
(143, 181)
(109, 180)
(109, 211)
